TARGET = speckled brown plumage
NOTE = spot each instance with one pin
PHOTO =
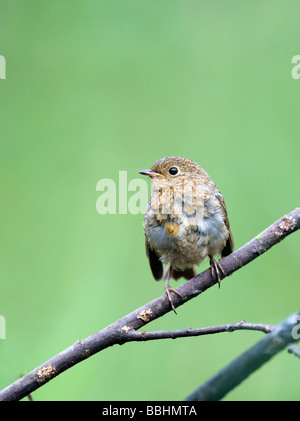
(186, 220)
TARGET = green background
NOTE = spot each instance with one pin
(94, 87)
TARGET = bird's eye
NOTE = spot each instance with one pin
(173, 171)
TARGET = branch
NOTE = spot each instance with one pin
(114, 334)
(239, 369)
(133, 335)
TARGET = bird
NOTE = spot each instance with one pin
(186, 221)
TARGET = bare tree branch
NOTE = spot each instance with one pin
(114, 334)
(239, 369)
(133, 335)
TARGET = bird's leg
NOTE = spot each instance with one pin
(217, 268)
(168, 290)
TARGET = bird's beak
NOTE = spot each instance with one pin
(150, 173)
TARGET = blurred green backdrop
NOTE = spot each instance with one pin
(94, 87)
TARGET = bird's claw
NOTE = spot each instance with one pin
(216, 269)
(168, 290)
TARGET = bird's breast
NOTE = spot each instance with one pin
(187, 240)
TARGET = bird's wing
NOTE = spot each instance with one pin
(229, 246)
(155, 264)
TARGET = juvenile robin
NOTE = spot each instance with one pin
(185, 222)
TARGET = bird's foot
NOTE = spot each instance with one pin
(216, 269)
(168, 291)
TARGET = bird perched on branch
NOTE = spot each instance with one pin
(186, 221)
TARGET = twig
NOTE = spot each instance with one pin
(239, 369)
(133, 335)
(114, 334)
